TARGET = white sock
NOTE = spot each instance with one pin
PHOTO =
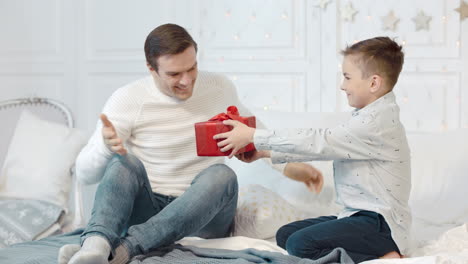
(66, 252)
(95, 250)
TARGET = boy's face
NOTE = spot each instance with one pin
(177, 73)
(358, 90)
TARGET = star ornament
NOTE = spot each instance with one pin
(390, 21)
(322, 3)
(463, 10)
(348, 12)
(421, 21)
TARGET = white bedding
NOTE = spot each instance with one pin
(232, 243)
(450, 248)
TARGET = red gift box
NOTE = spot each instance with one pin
(204, 132)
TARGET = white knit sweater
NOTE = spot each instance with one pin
(159, 130)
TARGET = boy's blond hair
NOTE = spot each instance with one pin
(381, 56)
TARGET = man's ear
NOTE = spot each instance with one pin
(150, 68)
(376, 83)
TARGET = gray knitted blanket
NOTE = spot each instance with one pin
(178, 254)
(45, 251)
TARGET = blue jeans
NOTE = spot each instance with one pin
(127, 211)
(364, 235)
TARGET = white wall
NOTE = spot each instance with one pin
(281, 54)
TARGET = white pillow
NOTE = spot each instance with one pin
(39, 158)
(296, 193)
(439, 166)
(261, 212)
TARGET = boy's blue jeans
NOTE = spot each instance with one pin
(127, 211)
(364, 235)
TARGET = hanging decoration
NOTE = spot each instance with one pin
(390, 21)
(348, 12)
(322, 4)
(421, 21)
(463, 10)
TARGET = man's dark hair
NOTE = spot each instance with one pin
(167, 39)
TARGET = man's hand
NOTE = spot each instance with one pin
(239, 137)
(305, 173)
(253, 155)
(111, 139)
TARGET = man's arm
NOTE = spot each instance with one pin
(112, 131)
(305, 173)
(302, 172)
(93, 159)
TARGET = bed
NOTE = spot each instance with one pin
(268, 200)
(38, 194)
(438, 196)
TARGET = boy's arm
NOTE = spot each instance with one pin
(358, 139)
(350, 141)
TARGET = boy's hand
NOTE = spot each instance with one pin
(305, 173)
(252, 155)
(239, 137)
(112, 141)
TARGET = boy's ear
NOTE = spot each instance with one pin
(376, 83)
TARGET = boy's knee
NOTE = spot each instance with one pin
(282, 236)
(295, 250)
(297, 246)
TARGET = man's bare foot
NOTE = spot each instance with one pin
(391, 255)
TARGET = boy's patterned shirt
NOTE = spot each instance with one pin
(371, 161)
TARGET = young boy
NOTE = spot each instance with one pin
(371, 161)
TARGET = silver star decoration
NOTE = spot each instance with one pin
(421, 21)
(348, 12)
(463, 10)
(389, 21)
(322, 3)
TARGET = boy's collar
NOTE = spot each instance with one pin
(388, 97)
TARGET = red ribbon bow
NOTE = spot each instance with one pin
(232, 113)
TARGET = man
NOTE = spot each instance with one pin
(154, 189)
